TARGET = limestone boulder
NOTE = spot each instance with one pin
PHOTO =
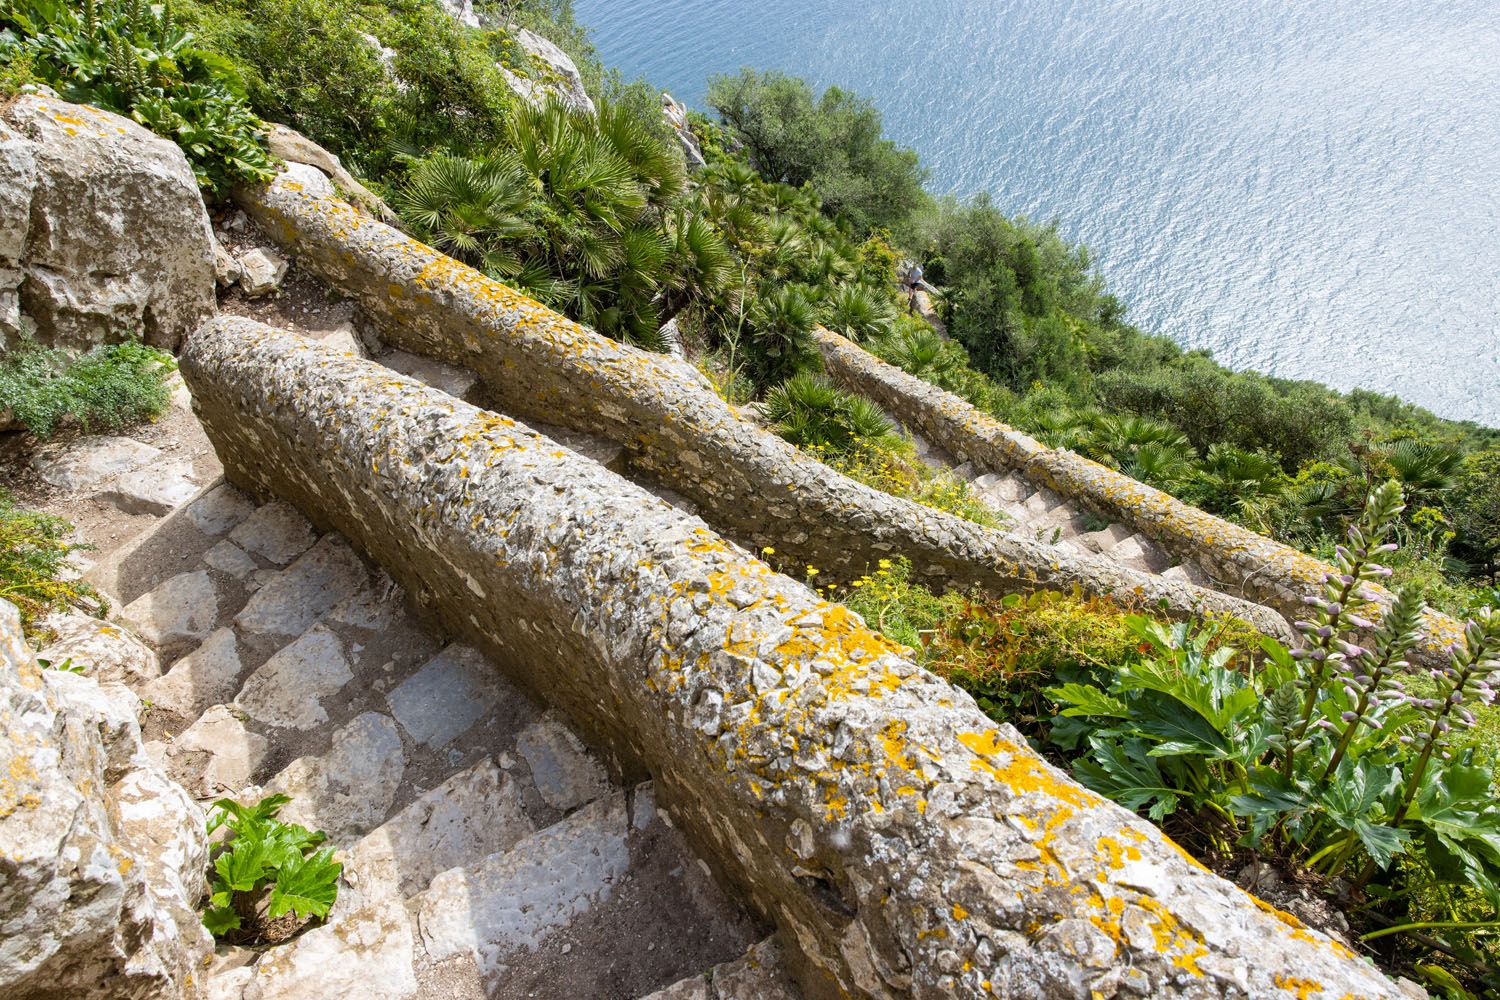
(295, 148)
(104, 651)
(105, 858)
(104, 233)
(553, 74)
(676, 117)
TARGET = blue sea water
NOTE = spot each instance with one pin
(1306, 187)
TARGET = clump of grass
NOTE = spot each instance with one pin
(34, 550)
(104, 390)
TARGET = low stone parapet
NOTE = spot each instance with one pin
(904, 844)
(1250, 565)
(749, 483)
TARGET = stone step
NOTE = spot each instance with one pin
(758, 975)
(476, 813)
(1043, 501)
(1188, 572)
(1003, 487)
(1106, 538)
(348, 791)
(1140, 553)
(509, 903)
(288, 602)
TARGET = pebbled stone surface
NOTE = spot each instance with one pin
(904, 844)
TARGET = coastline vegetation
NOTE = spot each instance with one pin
(803, 216)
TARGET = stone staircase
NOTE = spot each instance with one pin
(487, 853)
(1050, 518)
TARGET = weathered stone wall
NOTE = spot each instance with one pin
(904, 844)
(103, 234)
(1243, 562)
(102, 857)
(749, 483)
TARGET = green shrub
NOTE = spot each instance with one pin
(565, 208)
(104, 390)
(134, 58)
(1328, 758)
(833, 142)
(34, 551)
(266, 870)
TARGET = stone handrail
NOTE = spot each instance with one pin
(1251, 565)
(904, 845)
(749, 483)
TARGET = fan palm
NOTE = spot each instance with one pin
(859, 314)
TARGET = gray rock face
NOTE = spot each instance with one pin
(676, 117)
(104, 857)
(555, 76)
(904, 843)
(113, 234)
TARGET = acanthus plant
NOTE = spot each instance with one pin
(1336, 757)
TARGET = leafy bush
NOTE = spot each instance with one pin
(808, 410)
(104, 390)
(1329, 758)
(34, 551)
(833, 142)
(265, 871)
(564, 208)
(134, 58)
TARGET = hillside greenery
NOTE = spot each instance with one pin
(804, 216)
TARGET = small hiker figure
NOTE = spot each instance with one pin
(913, 285)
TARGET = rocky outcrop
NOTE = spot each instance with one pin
(103, 234)
(1243, 562)
(103, 856)
(296, 148)
(552, 74)
(747, 482)
(905, 845)
(676, 117)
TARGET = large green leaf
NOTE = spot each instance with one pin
(307, 887)
(1125, 771)
(1087, 700)
(1460, 820)
(244, 865)
(220, 920)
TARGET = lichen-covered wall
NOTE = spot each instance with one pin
(905, 845)
(1250, 565)
(749, 484)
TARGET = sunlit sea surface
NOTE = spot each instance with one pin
(1308, 188)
